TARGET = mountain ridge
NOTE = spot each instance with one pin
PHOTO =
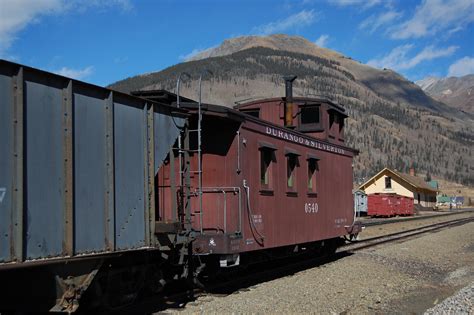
(388, 113)
(457, 92)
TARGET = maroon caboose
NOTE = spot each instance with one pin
(268, 174)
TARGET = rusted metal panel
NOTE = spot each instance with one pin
(67, 145)
(150, 173)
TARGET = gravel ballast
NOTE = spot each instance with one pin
(461, 303)
(408, 277)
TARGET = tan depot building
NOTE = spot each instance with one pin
(388, 181)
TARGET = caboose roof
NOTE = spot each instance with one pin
(300, 100)
(234, 114)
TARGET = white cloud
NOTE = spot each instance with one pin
(461, 67)
(373, 22)
(77, 74)
(322, 40)
(16, 15)
(398, 58)
(363, 3)
(301, 19)
(434, 16)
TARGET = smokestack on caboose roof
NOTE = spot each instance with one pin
(289, 100)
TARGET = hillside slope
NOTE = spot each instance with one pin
(393, 122)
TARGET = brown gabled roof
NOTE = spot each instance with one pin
(415, 182)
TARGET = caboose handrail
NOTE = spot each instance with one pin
(224, 191)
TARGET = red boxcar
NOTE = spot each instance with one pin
(407, 206)
(383, 205)
(388, 205)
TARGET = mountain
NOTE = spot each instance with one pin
(392, 121)
(276, 42)
(453, 91)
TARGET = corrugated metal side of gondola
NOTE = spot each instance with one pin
(77, 163)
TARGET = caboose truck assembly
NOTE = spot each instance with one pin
(105, 195)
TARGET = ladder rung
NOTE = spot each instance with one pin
(189, 150)
(193, 130)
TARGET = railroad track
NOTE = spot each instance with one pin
(398, 236)
(281, 268)
(408, 219)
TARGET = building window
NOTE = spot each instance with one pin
(267, 157)
(312, 168)
(388, 182)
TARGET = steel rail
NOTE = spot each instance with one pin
(378, 240)
(408, 219)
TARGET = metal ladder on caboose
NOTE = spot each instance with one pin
(186, 171)
(185, 168)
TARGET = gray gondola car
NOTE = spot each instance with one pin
(360, 203)
(77, 169)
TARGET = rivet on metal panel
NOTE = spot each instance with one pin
(17, 244)
(109, 177)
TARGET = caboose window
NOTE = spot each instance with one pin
(290, 170)
(309, 118)
(309, 115)
(265, 160)
(291, 164)
(312, 169)
(267, 156)
(388, 182)
(252, 112)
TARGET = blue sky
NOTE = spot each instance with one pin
(103, 41)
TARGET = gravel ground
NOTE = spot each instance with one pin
(408, 277)
(461, 303)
